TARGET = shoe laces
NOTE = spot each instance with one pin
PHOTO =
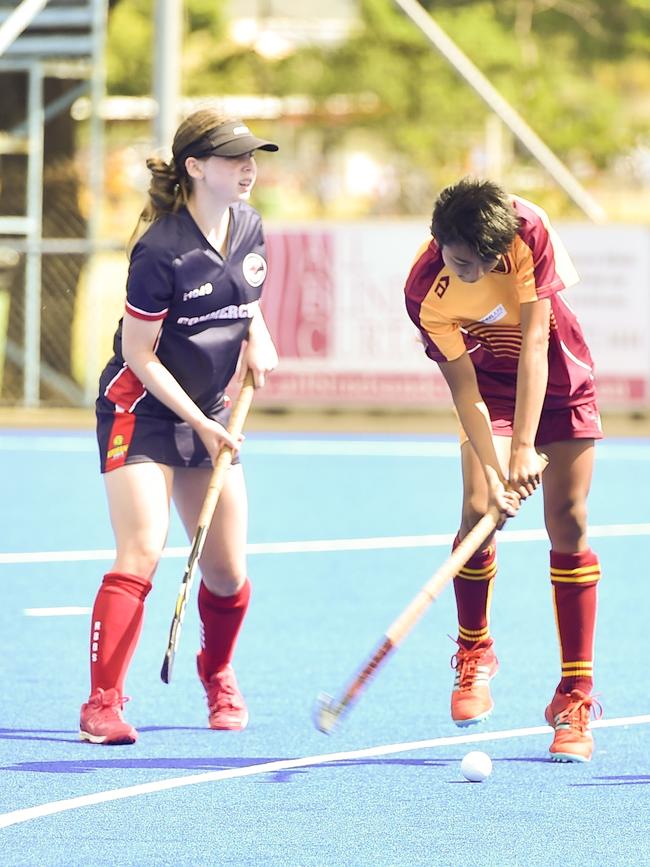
(110, 699)
(222, 690)
(465, 662)
(576, 714)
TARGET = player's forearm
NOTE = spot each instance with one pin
(258, 325)
(259, 333)
(260, 355)
(475, 419)
(473, 415)
(532, 372)
(157, 379)
(532, 381)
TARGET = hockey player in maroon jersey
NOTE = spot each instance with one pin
(486, 294)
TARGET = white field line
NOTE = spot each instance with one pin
(325, 545)
(25, 815)
(63, 611)
(620, 449)
(294, 447)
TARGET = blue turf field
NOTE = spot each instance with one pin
(344, 531)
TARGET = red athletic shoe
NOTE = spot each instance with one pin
(471, 701)
(101, 719)
(226, 705)
(568, 714)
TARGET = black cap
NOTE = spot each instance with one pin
(230, 139)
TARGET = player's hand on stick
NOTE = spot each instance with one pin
(260, 361)
(502, 502)
(526, 467)
(507, 503)
(215, 435)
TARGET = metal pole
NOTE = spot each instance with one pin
(505, 111)
(167, 69)
(93, 304)
(20, 18)
(35, 216)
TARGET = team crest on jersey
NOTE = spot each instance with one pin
(254, 268)
(441, 286)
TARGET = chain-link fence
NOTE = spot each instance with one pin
(61, 265)
(50, 54)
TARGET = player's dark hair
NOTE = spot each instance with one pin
(477, 213)
(170, 184)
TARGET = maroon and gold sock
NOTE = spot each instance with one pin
(116, 625)
(473, 589)
(221, 620)
(575, 598)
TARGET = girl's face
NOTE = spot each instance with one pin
(466, 264)
(225, 179)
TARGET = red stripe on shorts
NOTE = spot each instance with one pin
(125, 389)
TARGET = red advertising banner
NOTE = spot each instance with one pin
(334, 304)
(298, 300)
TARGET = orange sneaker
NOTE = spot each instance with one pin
(101, 719)
(226, 705)
(471, 701)
(568, 714)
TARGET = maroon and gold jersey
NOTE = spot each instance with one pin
(484, 318)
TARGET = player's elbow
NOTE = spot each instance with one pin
(536, 342)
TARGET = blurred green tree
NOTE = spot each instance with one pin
(576, 71)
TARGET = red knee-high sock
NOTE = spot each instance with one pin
(473, 589)
(575, 597)
(116, 626)
(221, 620)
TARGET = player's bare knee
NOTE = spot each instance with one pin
(472, 513)
(224, 581)
(567, 526)
(142, 561)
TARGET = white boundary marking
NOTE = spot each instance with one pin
(27, 814)
(343, 446)
(325, 545)
(315, 546)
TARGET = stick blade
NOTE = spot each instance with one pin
(326, 713)
(172, 644)
(166, 670)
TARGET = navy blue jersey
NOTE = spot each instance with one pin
(206, 302)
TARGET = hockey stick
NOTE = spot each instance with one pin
(222, 464)
(329, 710)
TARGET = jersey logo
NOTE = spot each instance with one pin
(118, 449)
(232, 311)
(494, 315)
(441, 286)
(205, 289)
(254, 269)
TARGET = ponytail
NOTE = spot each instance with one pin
(167, 193)
(170, 185)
